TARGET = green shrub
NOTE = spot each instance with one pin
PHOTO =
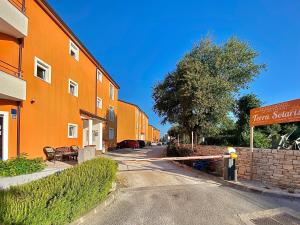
(59, 198)
(260, 140)
(21, 165)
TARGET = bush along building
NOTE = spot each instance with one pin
(53, 92)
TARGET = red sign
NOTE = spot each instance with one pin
(284, 112)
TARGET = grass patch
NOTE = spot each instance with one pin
(59, 198)
(21, 165)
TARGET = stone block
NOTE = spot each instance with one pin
(296, 162)
(288, 167)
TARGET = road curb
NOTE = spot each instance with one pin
(111, 197)
(242, 187)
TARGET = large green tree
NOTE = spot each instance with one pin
(200, 92)
(242, 112)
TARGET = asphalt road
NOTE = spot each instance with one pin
(161, 193)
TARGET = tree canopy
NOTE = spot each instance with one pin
(200, 92)
(242, 113)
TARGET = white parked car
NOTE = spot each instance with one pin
(153, 143)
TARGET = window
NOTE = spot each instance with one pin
(111, 114)
(74, 50)
(72, 130)
(111, 91)
(99, 103)
(42, 70)
(99, 75)
(111, 134)
(73, 88)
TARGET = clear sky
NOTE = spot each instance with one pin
(139, 41)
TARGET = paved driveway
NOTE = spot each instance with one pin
(162, 193)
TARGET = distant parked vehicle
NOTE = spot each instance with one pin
(153, 143)
(128, 144)
(159, 143)
(142, 143)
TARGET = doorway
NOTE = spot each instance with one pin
(3, 135)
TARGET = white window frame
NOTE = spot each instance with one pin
(76, 130)
(111, 115)
(99, 103)
(99, 75)
(111, 94)
(111, 136)
(45, 66)
(74, 48)
(76, 87)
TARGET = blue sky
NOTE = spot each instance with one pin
(139, 41)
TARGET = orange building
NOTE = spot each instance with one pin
(132, 122)
(153, 134)
(53, 92)
(156, 135)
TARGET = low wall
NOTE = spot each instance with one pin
(87, 153)
(279, 168)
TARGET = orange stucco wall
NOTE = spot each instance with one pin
(9, 51)
(49, 107)
(150, 133)
(107, 102)
(126, 121)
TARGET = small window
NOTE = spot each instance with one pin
(99, 103)
(111, 91)
(111, 134)
(73, 88)
(111, 114)
(99, 75)
(74, 50)
(42, 70)
(72, 130)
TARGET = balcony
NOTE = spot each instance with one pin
(12, 18)
(11, 86)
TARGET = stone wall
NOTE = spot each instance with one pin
(279, 168)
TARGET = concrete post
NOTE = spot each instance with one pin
(90, 131)
(101, 136)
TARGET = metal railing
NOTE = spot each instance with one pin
(19, 4)
(10, 69)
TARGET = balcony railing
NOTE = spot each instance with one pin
(19, 4)
(10, 69)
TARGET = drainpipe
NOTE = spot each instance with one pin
(23, 6)
(18, 128)
(21, 42)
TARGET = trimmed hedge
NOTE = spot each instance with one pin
(59, 198)
(21, 165)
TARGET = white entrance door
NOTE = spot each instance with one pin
(3, 135)
(97, 134)
(85, 133)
